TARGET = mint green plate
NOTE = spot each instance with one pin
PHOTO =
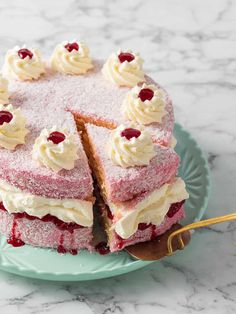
(48, 264)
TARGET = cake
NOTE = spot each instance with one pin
(127, 193)
(56, 122)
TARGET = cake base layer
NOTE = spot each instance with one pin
(116, 243)
(143, 234)
(36, 232)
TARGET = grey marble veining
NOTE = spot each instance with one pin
(189, 47)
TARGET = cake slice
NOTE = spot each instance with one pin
(39, 206)
(138, 203)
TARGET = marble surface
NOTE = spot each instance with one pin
(190, 48)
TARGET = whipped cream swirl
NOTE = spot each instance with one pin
(73, 62)
(12, 133)
(55, 156)
(147, 111)
(23, 68)
(4, 96)
(136, 151)
(124, 73)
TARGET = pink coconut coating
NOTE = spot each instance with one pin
(38, 104)
(118, 244)
(45, 234)
(124, 184)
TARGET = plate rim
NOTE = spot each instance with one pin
(132, 264)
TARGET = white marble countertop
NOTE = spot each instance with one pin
(190, 48)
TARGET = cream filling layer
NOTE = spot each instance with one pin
(67, 210)
(152, 209)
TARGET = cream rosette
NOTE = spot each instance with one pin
(147, 111)
(4, 96)
(125, 73)
(129, 147)
(72, 61)
(55, 156)
(13, 127)
(29, 67)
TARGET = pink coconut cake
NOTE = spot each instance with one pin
(64, 100)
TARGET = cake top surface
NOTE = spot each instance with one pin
(88, 95)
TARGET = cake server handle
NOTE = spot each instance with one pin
(196, 225)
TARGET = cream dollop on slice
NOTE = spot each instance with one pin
(55, 149)
(129, 147)
(152, 209)
(4, 96)
(23, 64)
(145, 104)
(71, 58)
(124, 69)
(12, 127)
(67, 210)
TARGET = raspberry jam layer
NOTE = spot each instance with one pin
(14, 238)
(102, 248)
(174, 208)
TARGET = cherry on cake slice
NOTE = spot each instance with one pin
(140, 202)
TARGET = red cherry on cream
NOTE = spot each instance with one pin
(126, 56)
(130, 133)
(72, 46)
(146, 94)
(23, 53)
(56, 137)
(5, 116)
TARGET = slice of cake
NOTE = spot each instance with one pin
(46, 187)
(46, 208)
(139, 202)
